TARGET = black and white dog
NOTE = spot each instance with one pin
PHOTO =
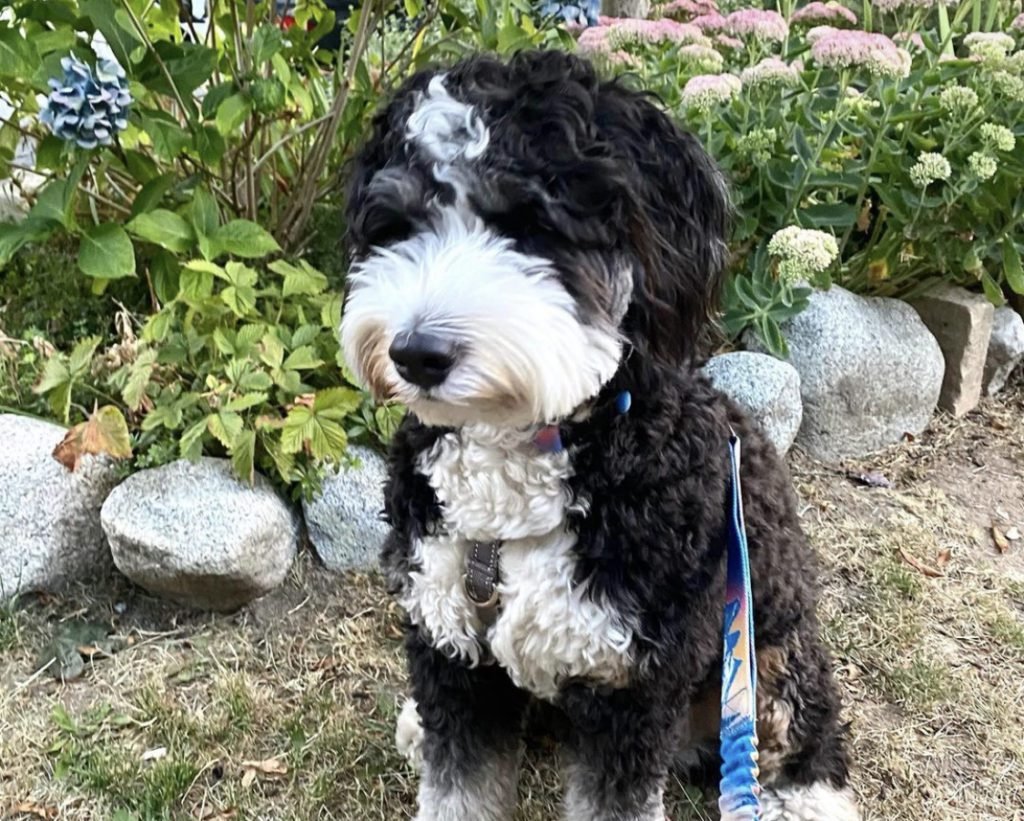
(531, 246)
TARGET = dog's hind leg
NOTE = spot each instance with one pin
(471, 721)
(803, 756)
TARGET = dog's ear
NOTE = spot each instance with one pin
(678, 225)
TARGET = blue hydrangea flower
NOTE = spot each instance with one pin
(88, 108)
(581, 13)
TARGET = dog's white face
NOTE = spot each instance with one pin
(515, 229)
(454, 318)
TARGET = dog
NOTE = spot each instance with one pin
(536, 254)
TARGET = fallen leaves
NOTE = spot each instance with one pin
(269, 768)
(35, 810)
(921, 567)
(870, 479)
(104, 432)
(1001, 542)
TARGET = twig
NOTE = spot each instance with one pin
(288, 137)
(303, 203)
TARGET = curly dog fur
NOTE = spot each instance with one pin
(530, 241)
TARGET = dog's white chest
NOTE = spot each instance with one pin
(496, 486)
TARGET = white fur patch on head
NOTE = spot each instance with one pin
(446, 128)
(814, 802)
(523, 355)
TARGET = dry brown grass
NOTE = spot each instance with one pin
(308, 679)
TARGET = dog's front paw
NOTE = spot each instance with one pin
(409, 734)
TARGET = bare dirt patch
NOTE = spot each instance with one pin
(286, 709)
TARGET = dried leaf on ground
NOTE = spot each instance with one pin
(870, 479)
(1002, 543)
(270, 768)
(920, 566)
(104, 432)
(943, 558)
(214, 814)
(35, 810)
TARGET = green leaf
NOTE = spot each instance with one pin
(53, 204)
(241, 275)
(301, 279)
(196, 285)
(303, 429)
(49, 152)
(266, 42)
(151, 193)
(215, 96)
(243, 455)
(165, 272)
(191, 444)
(106, 252)
(122, 40)
(47, 42)
(225, 426)
(992, 289)
(330, 313)
(232, 113)
(246, 401)
(245, 239)
(189, 64)
(16, 54)
(168, 137)
(158, 326)
(204, 212)
(1012, 268)
(163, 228)
(240, 299)
(272, 354)
(340, 400)
(303, 358)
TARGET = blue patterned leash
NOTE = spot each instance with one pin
(739, 789)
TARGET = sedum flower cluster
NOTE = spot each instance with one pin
(802, 252)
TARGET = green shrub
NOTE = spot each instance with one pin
(911, 157)
(156, 290)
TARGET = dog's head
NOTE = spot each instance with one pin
(516, 228)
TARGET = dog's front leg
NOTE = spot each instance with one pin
(472, 737)
(618, 756)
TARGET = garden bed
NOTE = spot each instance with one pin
(286, 709)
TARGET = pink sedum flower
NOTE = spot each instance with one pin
(729, 42)
(1018, 23)
(875, 53)
(685, 9)
(631, 30)
(760, 25)
(818, 13)
(771, 73)
(815, 34)
(709, 22)
(705, 91)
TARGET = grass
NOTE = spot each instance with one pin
(286, 710)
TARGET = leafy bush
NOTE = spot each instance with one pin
(907, 148)
(186, 170)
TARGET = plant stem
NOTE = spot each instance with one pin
(141, 31)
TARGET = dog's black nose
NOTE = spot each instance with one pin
(422, 359)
